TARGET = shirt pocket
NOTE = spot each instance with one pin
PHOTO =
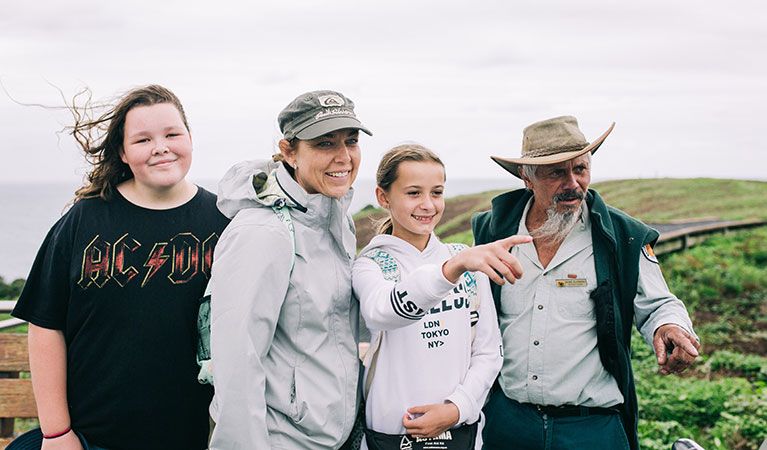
(575, 302)
(513, 300)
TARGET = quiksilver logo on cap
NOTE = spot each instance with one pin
(330, 100)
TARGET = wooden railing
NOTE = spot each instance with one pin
(6, 306)
(687, 236)
(16, 396)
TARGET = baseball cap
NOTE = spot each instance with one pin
(316, 113)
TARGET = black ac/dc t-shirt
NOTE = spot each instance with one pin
(123, 282)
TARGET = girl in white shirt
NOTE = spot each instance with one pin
(433, 363)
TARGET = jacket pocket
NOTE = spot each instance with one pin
(297, 409)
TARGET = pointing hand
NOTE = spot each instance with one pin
(681, 347)
(492, 259)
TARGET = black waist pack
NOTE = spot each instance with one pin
(461, 438)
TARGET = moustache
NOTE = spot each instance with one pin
(570, 194)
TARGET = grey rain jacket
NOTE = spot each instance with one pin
(283, 345)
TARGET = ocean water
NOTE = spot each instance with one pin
(27, 212)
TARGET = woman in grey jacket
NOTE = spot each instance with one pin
(284, 326)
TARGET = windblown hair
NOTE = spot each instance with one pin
(101, 138)
(388, 171)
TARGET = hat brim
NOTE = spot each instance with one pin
(326, 126)
(512, 164)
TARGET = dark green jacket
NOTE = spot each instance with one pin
(617, 239)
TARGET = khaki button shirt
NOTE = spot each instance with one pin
(548, 324)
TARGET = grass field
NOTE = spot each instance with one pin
(722, 400)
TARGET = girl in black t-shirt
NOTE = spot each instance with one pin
(113, 293)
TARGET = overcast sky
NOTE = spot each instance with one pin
(685, 81)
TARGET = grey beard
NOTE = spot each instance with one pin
(557, 225)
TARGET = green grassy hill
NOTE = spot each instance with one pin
(669, 199)
(649, 199)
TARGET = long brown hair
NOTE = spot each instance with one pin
(102, 138)
(387, 174)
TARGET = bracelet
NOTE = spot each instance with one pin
(54, 436)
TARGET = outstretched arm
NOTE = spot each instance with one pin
(386, 304)
(492, 259)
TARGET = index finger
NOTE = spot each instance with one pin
(660, 349)
(681, 339)
(678, 362)
(687, 346)
(516, 239)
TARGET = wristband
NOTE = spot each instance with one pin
(54, 436)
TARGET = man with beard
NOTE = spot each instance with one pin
(566, 381)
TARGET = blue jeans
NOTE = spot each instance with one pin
(518, 427)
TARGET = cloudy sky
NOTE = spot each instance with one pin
(685, 81)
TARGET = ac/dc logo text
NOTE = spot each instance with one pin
(104, 261)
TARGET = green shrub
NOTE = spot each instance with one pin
(11, 291)
(659, 435)
(722, 268)
(754, 365)
(723, 280)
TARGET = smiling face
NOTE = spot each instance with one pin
(560, 186)
(415, 200)
(325, 165)
(156, 146)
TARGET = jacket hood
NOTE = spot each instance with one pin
(252, 184)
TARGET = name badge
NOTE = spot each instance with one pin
(578, 282)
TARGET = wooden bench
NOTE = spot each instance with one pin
(16, 396)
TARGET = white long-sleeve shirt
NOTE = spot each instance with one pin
(426, 355)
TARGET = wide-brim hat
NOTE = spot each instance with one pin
(551, 141)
